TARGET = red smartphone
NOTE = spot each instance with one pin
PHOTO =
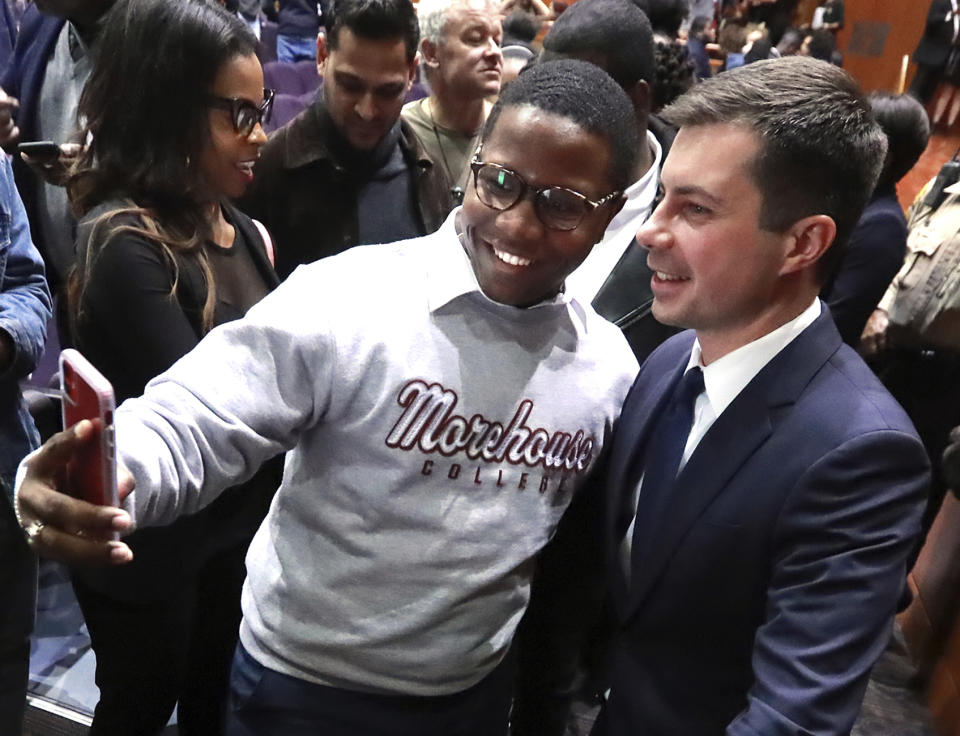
(91, 474)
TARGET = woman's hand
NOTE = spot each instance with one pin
(62, 527)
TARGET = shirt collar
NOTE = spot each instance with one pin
(643, 191)
(726, 377)
(450, 274)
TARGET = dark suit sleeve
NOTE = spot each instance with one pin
(838, 567)
(565, 602)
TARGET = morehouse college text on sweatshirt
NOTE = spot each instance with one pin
(435, 439)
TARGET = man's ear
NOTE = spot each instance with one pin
(614, 208)
(428, 54)
(641, 95)
(807, 241)
(322, 52)
(412, 69)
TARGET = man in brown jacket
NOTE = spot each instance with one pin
(347, 171)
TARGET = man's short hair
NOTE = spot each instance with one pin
(905, 123)
(433, 14)
(614, 34)
(820, 148)
(375, 20)
(584, 94)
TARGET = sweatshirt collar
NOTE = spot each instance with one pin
(450, 275)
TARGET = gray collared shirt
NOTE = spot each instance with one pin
(67, 72)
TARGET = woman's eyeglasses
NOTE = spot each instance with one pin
(244, 114)
(558, 208)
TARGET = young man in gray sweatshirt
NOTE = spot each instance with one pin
(441, 401)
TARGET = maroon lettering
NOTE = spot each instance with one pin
(428, 422)
(523, 481)
(454, 472)
(427, 467)
(544, 483)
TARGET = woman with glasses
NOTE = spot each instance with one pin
(173, 111)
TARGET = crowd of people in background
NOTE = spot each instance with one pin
(520, 365)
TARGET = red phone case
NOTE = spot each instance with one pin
(91, 474)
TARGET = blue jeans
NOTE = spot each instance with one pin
(266, 703)
(296, 48)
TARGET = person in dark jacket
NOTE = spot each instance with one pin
(299, 21)
(939, 35)
(348, 171)
(874, 253)
(50, 64)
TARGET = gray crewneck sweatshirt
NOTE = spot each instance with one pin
(435, 438)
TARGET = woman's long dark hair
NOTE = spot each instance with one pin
(144, 117)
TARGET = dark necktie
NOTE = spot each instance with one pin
(662, 459)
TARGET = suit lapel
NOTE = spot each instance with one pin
(734, 437)
(629, 440)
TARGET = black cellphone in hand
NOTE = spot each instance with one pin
(40, 149)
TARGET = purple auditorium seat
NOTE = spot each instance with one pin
(291, 79)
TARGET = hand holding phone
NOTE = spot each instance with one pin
(52, 162)
(40, 149)
(92, 472)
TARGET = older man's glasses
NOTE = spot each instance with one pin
(243, 113)
(558, 208)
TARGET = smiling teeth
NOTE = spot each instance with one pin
(246, 165)
(669, 276)
(512, 259)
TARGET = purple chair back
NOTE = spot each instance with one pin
(291, 79)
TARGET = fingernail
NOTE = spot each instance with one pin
(119, 552)
(121, 522)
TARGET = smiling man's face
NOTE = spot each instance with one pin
(518, 260)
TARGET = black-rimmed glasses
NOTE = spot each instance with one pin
(558, 208)
(244, 114)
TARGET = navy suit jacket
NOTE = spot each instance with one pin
(771, 583)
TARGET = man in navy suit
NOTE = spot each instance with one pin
(752, 589)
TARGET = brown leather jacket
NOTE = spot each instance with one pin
(308, 200)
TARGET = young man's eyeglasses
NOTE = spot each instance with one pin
(244, 114)
(558, 208)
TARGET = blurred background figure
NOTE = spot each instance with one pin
(699, 35)
(520, 29)
(876, 248)
(50, 65)
(162, 259)
(940, 34)
(515, 58)
(298, 22)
